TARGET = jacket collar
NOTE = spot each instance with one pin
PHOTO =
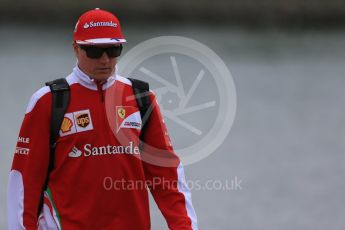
(90, 83)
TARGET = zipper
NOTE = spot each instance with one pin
(102, 105)
(100, 91)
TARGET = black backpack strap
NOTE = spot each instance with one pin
(60, 98)
(60, 91)
(141, 91)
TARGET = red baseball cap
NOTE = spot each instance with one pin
(96, 27)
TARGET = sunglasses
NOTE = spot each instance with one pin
(95, 52)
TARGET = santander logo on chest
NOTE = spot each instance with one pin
(127, 117)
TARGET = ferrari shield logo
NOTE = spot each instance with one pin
(121, 112)
(127, 117)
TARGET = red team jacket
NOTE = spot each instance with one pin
(95, 183)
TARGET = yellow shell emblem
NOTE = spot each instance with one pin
(66, 125)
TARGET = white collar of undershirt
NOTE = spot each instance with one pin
(90, 83)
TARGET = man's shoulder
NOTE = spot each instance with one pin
(37, 96)
(43, 94)
(123, 80)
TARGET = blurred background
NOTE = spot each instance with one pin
(287, 61)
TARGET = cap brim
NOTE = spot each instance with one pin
(101, 41)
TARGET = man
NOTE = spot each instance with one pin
(96, 154)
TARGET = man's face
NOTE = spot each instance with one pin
(97, 68)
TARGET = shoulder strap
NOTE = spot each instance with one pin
(141, 91)
(60, 99)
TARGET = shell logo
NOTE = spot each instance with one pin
(121, 112)
(66, 125)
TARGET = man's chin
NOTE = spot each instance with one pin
(102, 75)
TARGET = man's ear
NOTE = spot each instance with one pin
(76, 49)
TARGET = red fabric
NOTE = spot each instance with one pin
(78, 185)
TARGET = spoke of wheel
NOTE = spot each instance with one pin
(156, 77)
(195, 108)
(191, 91)
(183, 123)
(161, 90)
(158, 91)
(177, 76)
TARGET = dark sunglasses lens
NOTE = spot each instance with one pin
(114, 51)
(97, 52)
(93, 52)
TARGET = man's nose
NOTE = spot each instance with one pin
(104, 58)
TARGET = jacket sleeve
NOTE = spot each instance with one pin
(30, 163)
(164, 174)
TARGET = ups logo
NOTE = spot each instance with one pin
(83, 119)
